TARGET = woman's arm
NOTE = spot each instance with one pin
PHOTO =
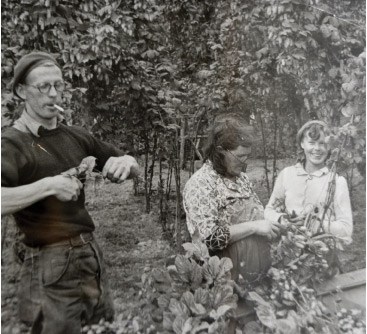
(260, 227)
(201, 207)
(342, 226)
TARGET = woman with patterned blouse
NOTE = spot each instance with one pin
(221, 205)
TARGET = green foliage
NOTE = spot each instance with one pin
(138, 71)
(193, 295)
(288, 303)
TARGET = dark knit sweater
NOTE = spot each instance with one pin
(26, 159)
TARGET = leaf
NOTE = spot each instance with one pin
(274, 273)
(201, 328)
(211, 269)
(163, 301)
(204, 74)
(223, 309)
(88, 163)
(196, 275)
(226, 264)
(349, 86)
(178, 324)
(189, 248)
(176, 102)
(198, 251)
(223, 295)
(214, 328)
(196, 238)
(266, 315)
(264, 310)
(310, 27)
(333, 72)
(299, 56)
(253, 327)
(161, 275)
(325, 30)
(183, 266)
(150, 54)
(201, 296)
(262, 52)
(188, 326)
(135, 85)
(177, 308)
(85, 166)
(168, 319)
(348, 110)
(188, 299)
(172, 270)
(288, 325)
(257, 298)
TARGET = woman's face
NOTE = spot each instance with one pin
(316, 151)
(235, 160)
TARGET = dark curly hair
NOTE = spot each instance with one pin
(227, 133)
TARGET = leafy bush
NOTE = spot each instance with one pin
(289, 302)
(193, 295)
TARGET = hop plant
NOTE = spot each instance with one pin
(350, 321)
(300, 260)
(103, 327)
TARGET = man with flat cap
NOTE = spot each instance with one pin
(63, 284)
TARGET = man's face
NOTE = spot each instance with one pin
(41, 105)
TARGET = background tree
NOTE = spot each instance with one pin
(151, 75)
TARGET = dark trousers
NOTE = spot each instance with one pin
(63, 288)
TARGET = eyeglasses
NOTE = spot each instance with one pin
(241, 161)
(46, 87)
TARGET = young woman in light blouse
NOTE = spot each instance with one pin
(303, 187)
(221, 205)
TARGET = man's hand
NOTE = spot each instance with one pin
(14, 199)
(65, 188)
(118, 169)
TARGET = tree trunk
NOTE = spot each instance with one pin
(182, 143)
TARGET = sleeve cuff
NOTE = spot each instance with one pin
(219, 239)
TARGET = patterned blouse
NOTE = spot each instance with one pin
(213, 203)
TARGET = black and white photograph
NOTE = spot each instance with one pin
(183, 167)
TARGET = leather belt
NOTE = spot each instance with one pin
(79, 240)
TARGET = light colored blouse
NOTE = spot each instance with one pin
(210, 200)
(303, 192)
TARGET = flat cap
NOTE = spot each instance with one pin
(27, 63)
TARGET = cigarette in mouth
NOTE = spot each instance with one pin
(58, 108)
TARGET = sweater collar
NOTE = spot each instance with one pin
(29, 125)
(301, 171)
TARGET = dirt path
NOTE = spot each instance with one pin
(131, 240)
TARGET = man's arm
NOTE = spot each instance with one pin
(14, 199)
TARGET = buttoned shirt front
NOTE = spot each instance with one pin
(304, 192)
